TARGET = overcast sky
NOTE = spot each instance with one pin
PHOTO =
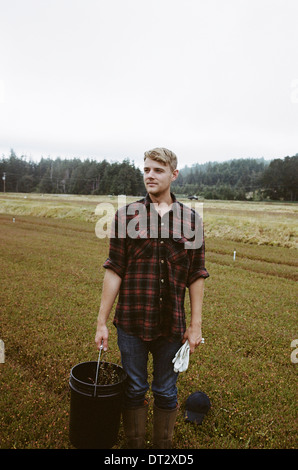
(210, 79)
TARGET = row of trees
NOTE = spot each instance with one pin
(280, 179)
(242, 179)
(238, 179)
(71, 176)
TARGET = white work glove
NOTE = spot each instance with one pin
(181, 359)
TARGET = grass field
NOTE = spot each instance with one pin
(51, 280)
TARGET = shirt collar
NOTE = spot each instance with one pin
(176, 231)
(148, 200)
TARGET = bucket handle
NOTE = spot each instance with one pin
(98, 361)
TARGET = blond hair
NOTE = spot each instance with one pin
(161, 154)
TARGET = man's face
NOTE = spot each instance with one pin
(158, 177)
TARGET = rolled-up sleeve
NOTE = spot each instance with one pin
(197, 264)
(117, 250)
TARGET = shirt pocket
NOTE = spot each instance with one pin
(140, 249)
(177, 254)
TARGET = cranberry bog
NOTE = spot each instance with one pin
(51, 281)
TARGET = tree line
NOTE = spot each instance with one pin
(242, 179)
(71, 176)
(237, 179)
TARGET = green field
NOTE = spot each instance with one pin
(51, 280)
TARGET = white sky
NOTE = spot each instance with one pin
(209, 79)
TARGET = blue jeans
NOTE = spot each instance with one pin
(134, 358)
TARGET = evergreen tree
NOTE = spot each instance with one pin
(235, 179)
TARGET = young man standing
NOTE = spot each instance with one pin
(156, 251)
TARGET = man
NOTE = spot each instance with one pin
(151, 262)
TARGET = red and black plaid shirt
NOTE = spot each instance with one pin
(156, 266)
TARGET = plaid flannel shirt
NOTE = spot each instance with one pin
(155, 267)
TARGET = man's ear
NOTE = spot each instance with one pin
(175, 175)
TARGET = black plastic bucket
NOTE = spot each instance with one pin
(95, 411)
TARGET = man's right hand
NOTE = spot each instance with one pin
(101, 337)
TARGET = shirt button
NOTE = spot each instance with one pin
(160, 299)
(162, 261)
(162, 280)
(161, 241)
